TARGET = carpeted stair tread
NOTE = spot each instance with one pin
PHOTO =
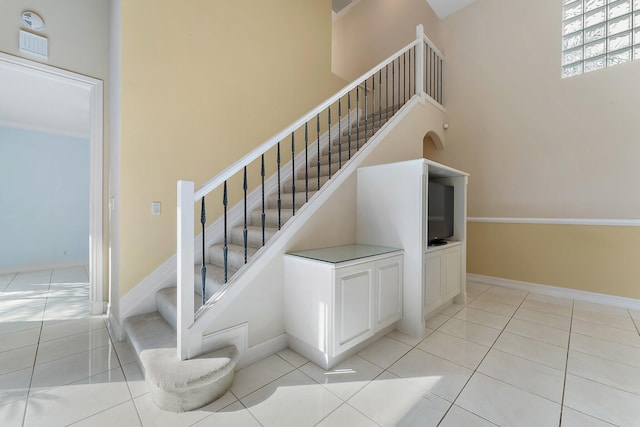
(324, 170)
(313, 184)
(149, 331)
(287, 199)
(182, 385)
(166, 302)
(254, 235)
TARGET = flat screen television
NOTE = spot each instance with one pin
(440, 213)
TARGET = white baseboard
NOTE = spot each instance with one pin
(115, 328)
(557, 291)
(264, 349)
(46, 266)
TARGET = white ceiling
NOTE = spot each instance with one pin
(444, 8)
(29, 100)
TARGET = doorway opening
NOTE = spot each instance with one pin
(27, 102)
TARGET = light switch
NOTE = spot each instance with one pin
(155, 208)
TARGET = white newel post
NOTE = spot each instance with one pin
(419, 59)
(185, 265)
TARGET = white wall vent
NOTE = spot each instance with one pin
(34, 44)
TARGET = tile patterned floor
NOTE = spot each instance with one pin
(508, 358)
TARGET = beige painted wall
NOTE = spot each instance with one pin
(372, 30)
(201, 90)
(601, 259)
(78, 33)
(539, 146)
(536, 145)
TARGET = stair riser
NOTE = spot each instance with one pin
(287, 202)
(235, 256)
(324, 170)
(254, 237)
(335, 157)
(271, 218)
(300, 184)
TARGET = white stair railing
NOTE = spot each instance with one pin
(418, 65)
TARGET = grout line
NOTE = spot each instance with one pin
(35, 356)
(634, 321)
(566, 367)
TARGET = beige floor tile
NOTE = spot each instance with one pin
(409, 404)
(384, 352)
(458, 417)
(346, 415)
(457, 350)
(533, 350)
(538, 332)
(251, 378)
(603, 402)
(346, 378)
(469, 331)
(292, 400)
(526, 375)
(431, 373)
(504, 404)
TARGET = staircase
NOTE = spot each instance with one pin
(166, 340)
(153, 335)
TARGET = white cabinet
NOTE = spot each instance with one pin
(442, 277)
(392, 210)
(338, 298)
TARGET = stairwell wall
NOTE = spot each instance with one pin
(373, 30)
(553, 153)
(201, 86)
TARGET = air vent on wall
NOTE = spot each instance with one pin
(338, 5)
(33, 44)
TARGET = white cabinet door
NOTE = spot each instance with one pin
(388, 291)
(354, 318)
(432, 282)
(451, 266)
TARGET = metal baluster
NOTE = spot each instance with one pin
(393, 86)
(203, 268)
(245, 232)
(306, 162)
(373, 103)
(365, 113)
(279, 191)
(293, 175)
(386, 89)
(404, 77)
(329, 136)
(225, 248)
(357, 118)
(380, 98)
(349, 121)
(410, 93)
(263, 216)
(440, 83)
(399, 81)
(318, 159)
(340, 132)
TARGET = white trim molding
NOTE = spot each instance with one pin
(96, 117)
(560, 221)
(557, 291)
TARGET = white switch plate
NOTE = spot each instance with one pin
(155, 208)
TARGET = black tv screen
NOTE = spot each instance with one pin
(440, 211)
